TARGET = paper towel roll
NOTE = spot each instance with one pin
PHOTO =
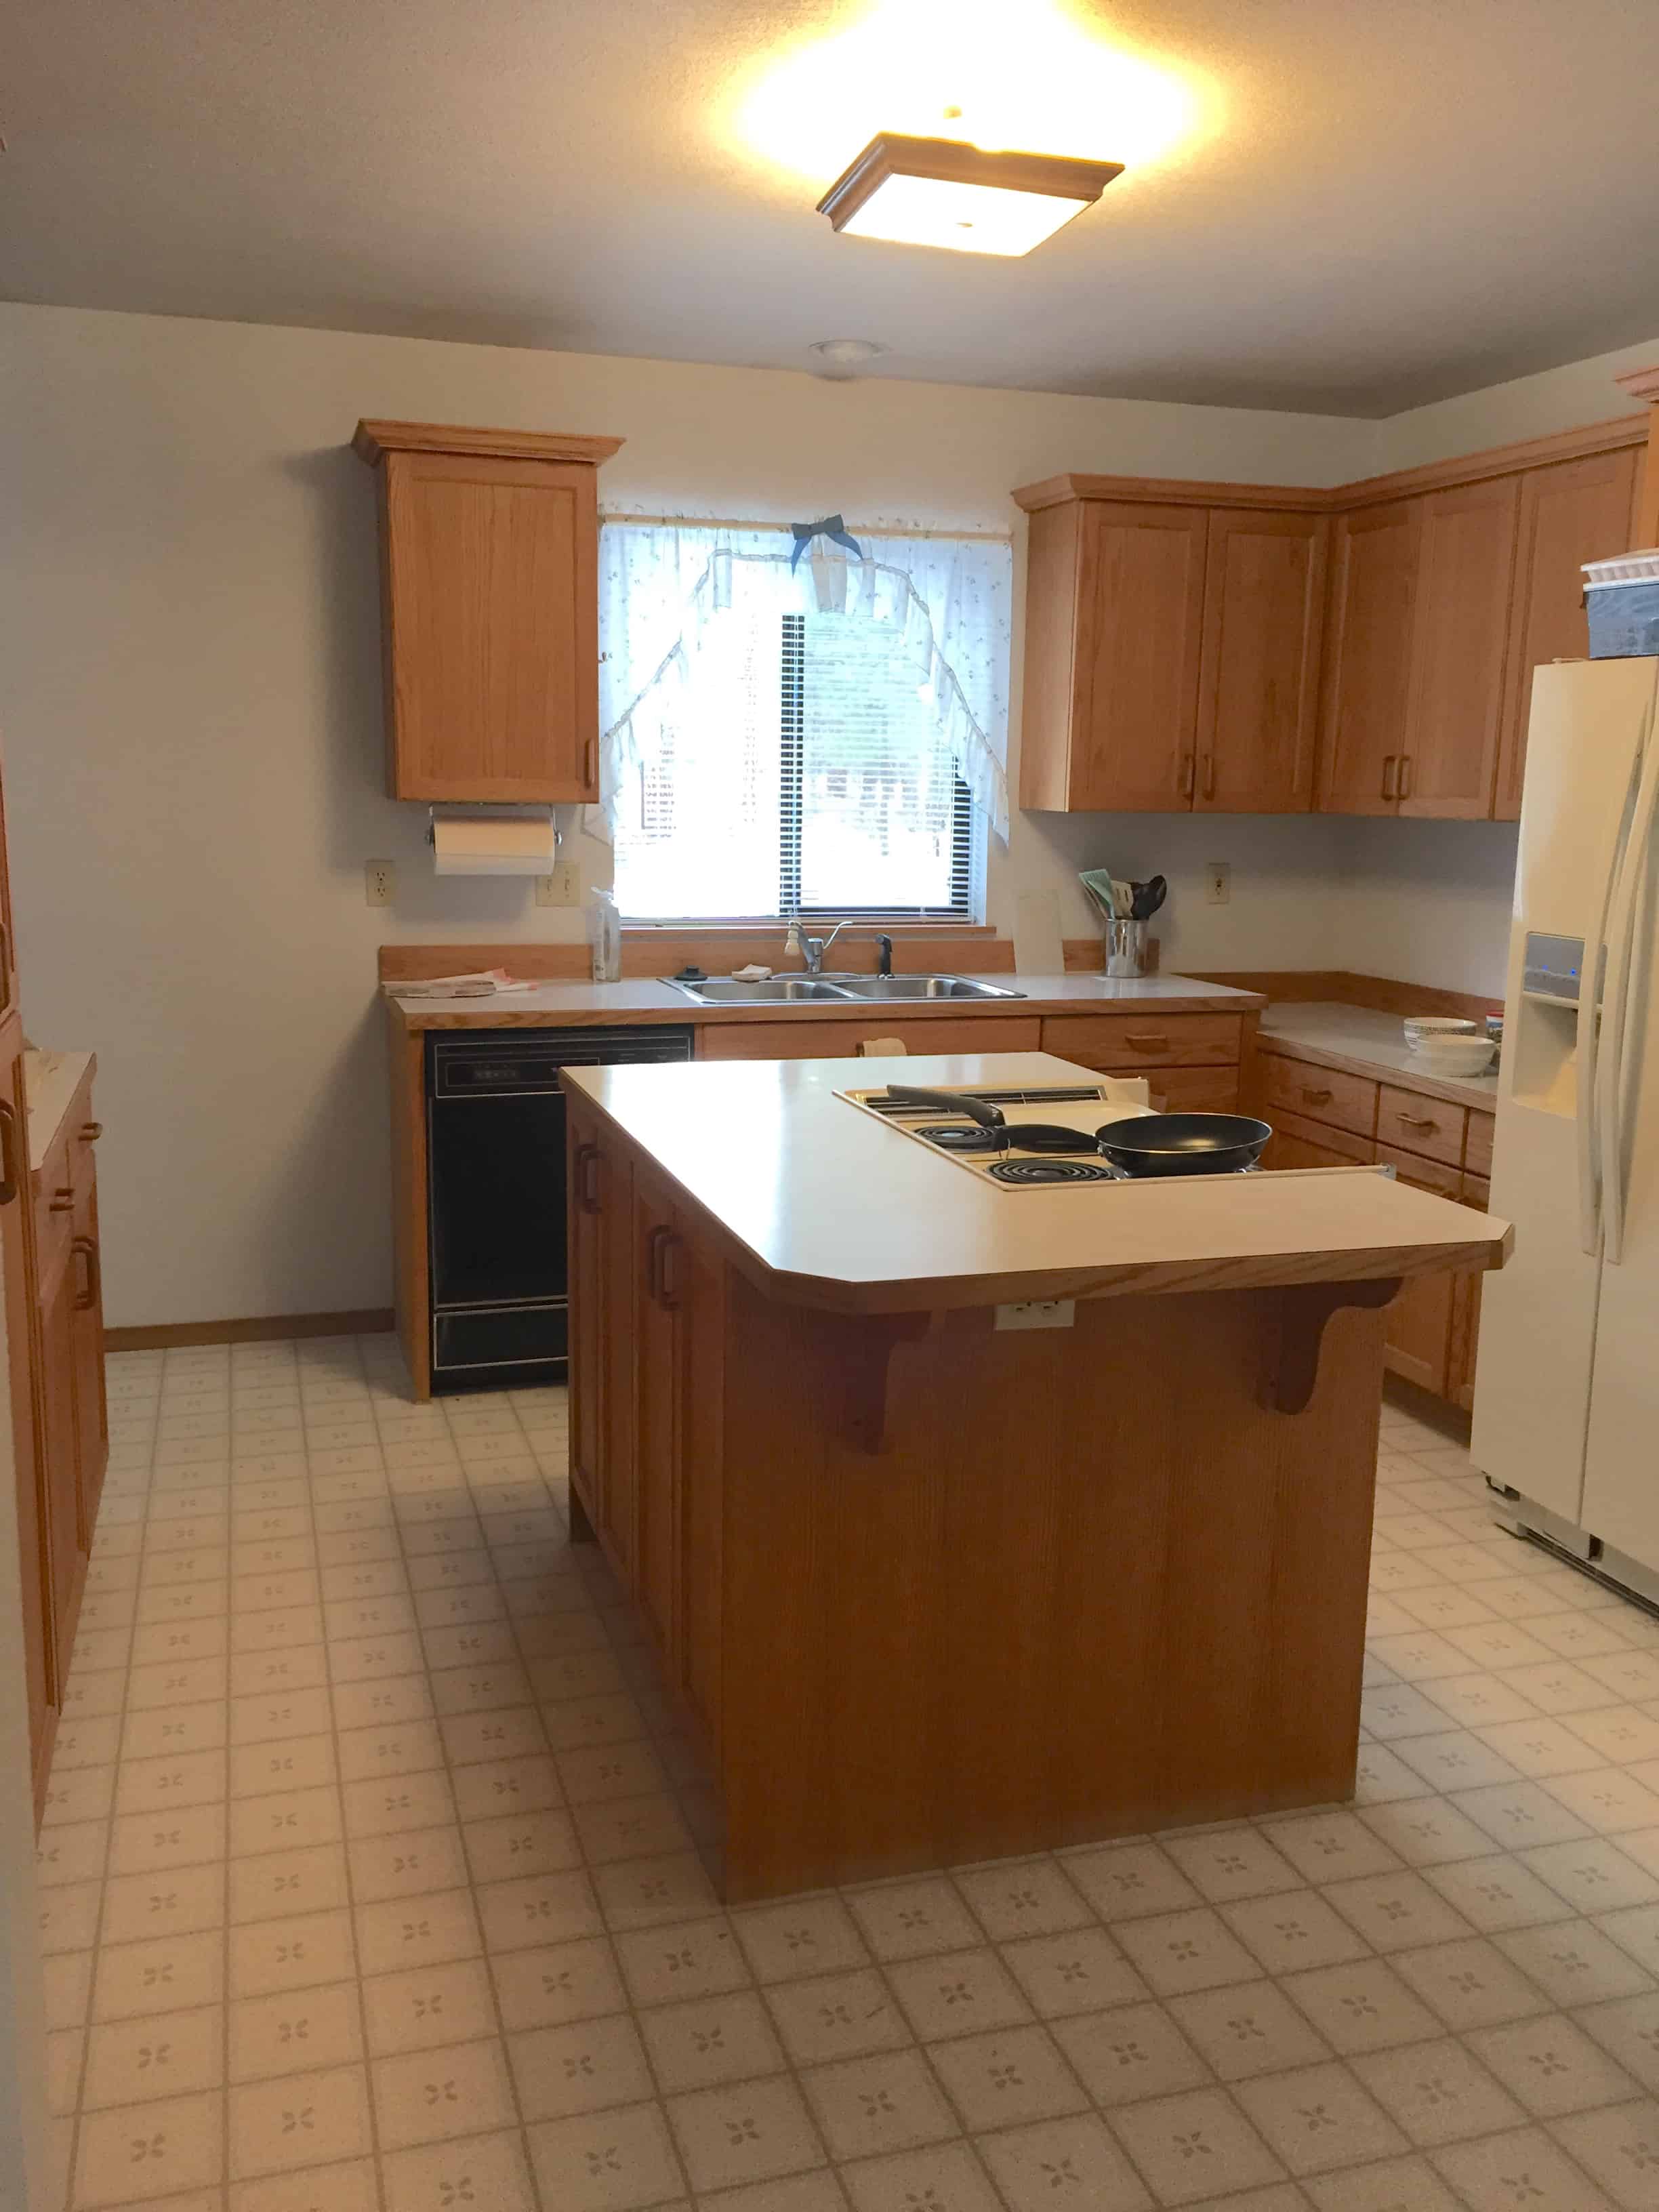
(494, 845)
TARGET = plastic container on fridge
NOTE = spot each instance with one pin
(1621, 599)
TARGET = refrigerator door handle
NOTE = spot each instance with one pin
(1592, 968)
(1615, 1019)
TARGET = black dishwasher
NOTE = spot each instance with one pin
(496, 1195)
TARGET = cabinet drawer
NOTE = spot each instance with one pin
(1120, 1043)
(1324, 1094)
(1425, 1173)
(837, 1039)
(1417, 1124)
(1476, 1191)
(1297, 1143)
(1477, 1148)
(1189, 1090)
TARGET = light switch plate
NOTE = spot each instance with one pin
(561, 888)
(1038, 1313)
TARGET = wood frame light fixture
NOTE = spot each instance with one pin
(940, 191)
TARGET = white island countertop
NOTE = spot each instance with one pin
(646, 998)
(1360, 1041)
(824, 1205)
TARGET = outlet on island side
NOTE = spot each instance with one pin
(563, 888)
(380, 883)
(1217, 882)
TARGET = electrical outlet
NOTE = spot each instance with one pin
(1217, 882)
(1038, 1313)
(563, 888)
(379, 882)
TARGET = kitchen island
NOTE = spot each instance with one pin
(938, 1576)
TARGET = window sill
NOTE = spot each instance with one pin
(860, 925)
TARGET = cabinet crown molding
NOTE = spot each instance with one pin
(374, 440)
(1640, 383)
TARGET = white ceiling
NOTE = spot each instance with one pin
(1398, 200)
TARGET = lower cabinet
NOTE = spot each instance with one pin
(16, 1255)
(659, 1377)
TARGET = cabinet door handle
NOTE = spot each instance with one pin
(94, 1289)
(665, 1291)
(10, 1179)
(91, 1132)
(1209, 775)
(1147, 1041)
(63, 1201)
(1408, 777)
(1315, 1097)
(590, 763)
(1189, 765)
(587, 1178)
(1417, 1121)
(1390, 776)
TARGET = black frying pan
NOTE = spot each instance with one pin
(1028, 1136)
(1183, 1144)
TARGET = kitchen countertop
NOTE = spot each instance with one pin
(1361, 1041)
(51, 1080)
(829, 1208)
(643, 999)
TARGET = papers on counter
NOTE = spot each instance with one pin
(485, 983)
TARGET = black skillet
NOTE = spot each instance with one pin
(1027, 1136)
(1183, 1144)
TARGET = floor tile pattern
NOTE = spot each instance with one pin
(368, 1881)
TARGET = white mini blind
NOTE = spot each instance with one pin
(807, 772)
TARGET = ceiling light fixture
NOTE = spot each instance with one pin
(938, 191)
(844, 357)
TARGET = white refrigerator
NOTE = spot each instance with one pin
(1566, 1403)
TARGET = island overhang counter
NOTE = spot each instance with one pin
(934, 1577)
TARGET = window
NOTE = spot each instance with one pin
(807, 774)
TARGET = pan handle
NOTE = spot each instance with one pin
(951, 1102)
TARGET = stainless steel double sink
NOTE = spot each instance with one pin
(872, 990)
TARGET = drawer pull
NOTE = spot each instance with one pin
(1209, 775)
(587, 1177)
(91, 1132)
(1391, 777)
(1188, 766)
(665, 1291)
(1147, 1041)
(1417, 1121)
(94, 1289)
(1315, 1097)
(63, 1201)
(1407, 775)
(10, 1179)
(590, 764)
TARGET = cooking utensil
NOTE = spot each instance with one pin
(1149, 896)
(1025, 1136)
(1183, 1144)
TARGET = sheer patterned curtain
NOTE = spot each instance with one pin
(946, 603)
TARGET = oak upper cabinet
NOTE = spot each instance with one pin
(1115, 602)
(1570, 512)
(489, 559)
(1368, 657)
(1466, 561)
(1258, 688)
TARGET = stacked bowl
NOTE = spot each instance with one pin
(1445, 1045)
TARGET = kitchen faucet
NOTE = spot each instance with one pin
(810, 949)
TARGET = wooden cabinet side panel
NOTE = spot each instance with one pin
(42, 1679)
(91, 1402)
(1368, 656)
(1048, 684)
(1264, 599)
(1458, 649)
(492, 567)
(619, 1292)
(1569, 513)
(700, 1571)
(410, 1227)
(658, 1379)
(1140, 604)
(585, 1173)
(60, 1445)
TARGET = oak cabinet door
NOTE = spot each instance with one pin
(1570, 512)
(1258, 694)
(490, 573)
(1368, 680)
(1418, 1338)
(1464, 571)
(1139, 619)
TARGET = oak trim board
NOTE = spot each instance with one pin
(258, 1328)
(373, 441)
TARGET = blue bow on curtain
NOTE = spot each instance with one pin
(831, 527)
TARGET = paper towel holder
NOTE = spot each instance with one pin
(543, 816)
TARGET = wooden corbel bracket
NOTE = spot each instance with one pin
(867, 1342)
(1296, 1334)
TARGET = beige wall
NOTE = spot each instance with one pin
(190, 704)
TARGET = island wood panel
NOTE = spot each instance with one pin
(1258, 694)
(1467, 555)
(835, 1039)
(1570, 512)
(996, 1637)
(1375, 559)
(1134, 708)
